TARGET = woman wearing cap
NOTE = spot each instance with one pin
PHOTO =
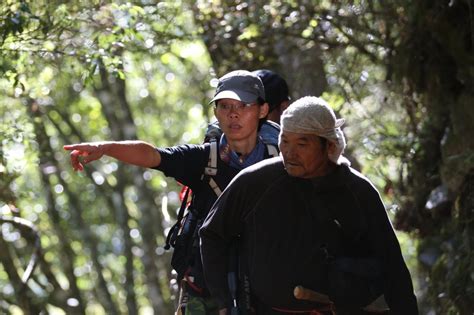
(314, 232)
(239, 107)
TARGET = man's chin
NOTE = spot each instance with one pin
(292, 171)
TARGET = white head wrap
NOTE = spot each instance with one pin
(312, 115)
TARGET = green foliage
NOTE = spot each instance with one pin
(55, 80)
(92, 70)
(17, 138)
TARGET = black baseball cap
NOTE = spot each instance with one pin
(241, 85)
(276, 88)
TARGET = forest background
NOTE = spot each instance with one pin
(400, 72)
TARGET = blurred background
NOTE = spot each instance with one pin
(400, 72)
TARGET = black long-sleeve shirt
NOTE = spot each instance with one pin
(186, 163)
(283, 223)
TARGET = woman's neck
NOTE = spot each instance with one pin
(243, 147)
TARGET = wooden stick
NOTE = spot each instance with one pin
(301, 293)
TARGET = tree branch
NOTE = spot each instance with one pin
(26, 227)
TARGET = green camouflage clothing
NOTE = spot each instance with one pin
(201, 306)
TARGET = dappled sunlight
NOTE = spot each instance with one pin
(92, 242)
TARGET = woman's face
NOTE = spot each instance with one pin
(239, 121)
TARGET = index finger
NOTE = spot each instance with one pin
(70, 147)
(79, 153)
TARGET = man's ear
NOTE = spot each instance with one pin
(331, 146)
(263, 110)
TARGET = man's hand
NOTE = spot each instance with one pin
(84, 153)
(223, 311)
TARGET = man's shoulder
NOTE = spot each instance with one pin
(266, 166)
(265, 170)
(358, 182)
(354, 174)
(258, 177)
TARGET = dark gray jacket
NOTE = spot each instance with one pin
(288, 224)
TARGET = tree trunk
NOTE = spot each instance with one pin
(24, 297)
(47, 163)
(110, 93)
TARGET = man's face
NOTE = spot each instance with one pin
(304, 155)
(275, 114)
(237, 120)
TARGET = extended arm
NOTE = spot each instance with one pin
(133, 152)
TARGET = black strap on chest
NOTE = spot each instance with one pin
(173, 232)
(211, 169)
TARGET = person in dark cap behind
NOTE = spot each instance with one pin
(314, 234)
(277, 93)
(239, 105)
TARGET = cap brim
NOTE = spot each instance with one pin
(235, 95)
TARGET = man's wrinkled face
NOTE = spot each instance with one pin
(304, 155)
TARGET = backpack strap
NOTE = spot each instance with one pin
(272, 150)
(211, 168)
(173, 232)
(215, 187)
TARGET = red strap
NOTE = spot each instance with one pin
(191, 283)
(183, 194)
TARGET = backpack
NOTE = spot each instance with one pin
(183, 235)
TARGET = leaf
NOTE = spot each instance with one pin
(249, 32)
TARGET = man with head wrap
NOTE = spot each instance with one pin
(307, 219)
